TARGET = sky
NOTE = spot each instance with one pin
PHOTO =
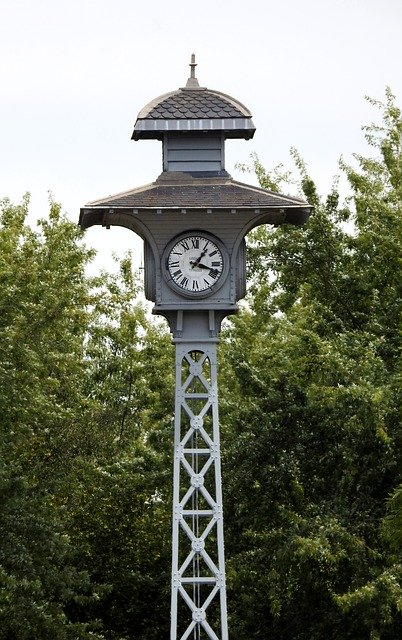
(74, 75)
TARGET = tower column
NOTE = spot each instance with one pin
(193, 220)
(198, 606)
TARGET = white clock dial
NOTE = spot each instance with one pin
(195, 264)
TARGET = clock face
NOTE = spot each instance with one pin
(195, 264)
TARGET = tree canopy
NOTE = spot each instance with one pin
(310, 395)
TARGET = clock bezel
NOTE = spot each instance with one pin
(209, 291)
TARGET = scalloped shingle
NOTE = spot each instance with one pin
(194, 104)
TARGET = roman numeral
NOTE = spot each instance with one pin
(184, 282)
(213, 253)
(216, 264)
(195, 285)
(174, 264)
(195, 242)
(185, 245)
(177, 273)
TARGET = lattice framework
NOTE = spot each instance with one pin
(198, 567)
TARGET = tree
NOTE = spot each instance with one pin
(313, 439)
(393, 519)
(83, 478)
(42, 298)
(37, 576)
(119, 500)
(310, 411)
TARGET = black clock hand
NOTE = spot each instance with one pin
(212, 271)
(197, 261)
(204, 266)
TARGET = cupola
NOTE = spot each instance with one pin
(193, 123)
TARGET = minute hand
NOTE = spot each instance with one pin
(211, 270)
(196, 262)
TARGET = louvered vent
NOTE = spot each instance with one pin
(194, 153)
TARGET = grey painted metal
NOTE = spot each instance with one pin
(195, 196)
(192, 82)
(198, 563)
(193, 153)
(198, 600)
(233, 127)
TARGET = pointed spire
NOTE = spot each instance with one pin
(192, 82)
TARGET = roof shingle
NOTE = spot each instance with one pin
(183, 191)
(198, 103)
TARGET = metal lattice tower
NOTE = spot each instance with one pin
(198, 564)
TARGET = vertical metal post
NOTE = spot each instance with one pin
(198, 605)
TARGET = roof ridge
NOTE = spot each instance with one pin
(183, 178)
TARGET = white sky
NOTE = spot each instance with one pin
(75, 73)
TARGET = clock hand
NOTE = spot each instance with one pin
(212, 271)
(204, 266)
(198, 260)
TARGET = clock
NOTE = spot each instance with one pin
(195, 264)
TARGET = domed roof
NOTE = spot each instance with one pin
(194, 103)
(194, 108)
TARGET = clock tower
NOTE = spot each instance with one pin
(193, 219)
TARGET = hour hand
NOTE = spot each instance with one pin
(197, 261)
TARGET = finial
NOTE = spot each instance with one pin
(192, 82)
(193, 65)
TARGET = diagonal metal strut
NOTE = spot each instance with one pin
(198, 608)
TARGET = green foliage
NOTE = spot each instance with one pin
(310, 409)
(42, 312)
(84, 471)
(311, 413)
(37, 578)
(393, 520)
(43, 321)
(130, 360)
(120, 523)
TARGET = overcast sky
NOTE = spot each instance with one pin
(75, 73)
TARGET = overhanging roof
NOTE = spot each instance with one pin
(174, 191)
